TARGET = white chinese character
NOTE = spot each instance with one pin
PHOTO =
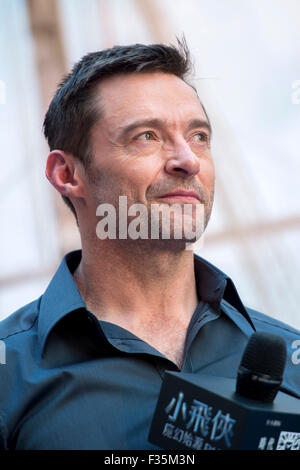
(262, 443)
(198, 443)
(271, 443)
(168, 430)
(179, 405)
(222, 427)
(187, 439)
(200, 416)
(178, 434)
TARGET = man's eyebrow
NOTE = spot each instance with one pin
(194, 123)
(160, 123)
(125, 130)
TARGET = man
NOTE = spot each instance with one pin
(85, 362)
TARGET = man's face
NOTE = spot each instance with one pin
(153, 140)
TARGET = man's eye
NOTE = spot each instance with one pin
(145, 136)
(200, 137)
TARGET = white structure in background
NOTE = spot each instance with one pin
(246, 56)
(28, 238)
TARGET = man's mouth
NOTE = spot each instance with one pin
(182, 196)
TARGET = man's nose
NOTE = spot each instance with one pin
(183, 162)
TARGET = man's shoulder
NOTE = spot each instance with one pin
(267, 323)
(17, 346)
(20, 321)
(291, 336)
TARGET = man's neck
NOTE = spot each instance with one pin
(156, 282)
(150, 293)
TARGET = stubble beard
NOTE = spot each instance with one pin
(102, 194)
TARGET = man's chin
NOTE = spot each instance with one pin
(165, 245)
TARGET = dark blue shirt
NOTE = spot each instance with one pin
(70, 381)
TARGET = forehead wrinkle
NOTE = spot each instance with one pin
(113, 115)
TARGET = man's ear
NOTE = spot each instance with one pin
(62, 172)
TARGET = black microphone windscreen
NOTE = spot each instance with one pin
(262, 365)
(265, 353)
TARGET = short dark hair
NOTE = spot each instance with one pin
(73, 110)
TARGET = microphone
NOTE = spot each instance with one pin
(260, 372)
(199, 412)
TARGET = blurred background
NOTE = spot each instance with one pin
(247, 71)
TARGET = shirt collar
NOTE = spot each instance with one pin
(62, 295)
(214, 286)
